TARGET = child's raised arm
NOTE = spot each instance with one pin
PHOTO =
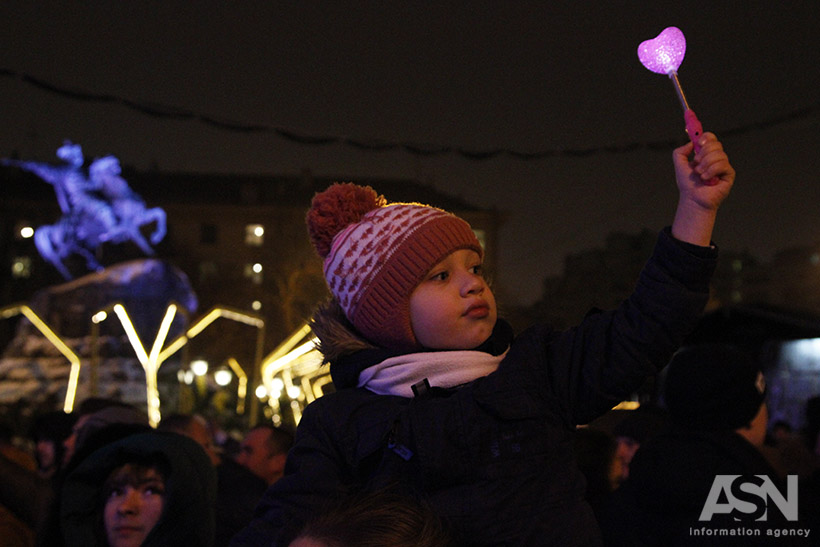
(700, 196)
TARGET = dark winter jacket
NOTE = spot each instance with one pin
(495, 457)
(190, 492)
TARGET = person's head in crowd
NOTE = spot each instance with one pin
(147, 489)
(195, 427)
(134, 495)
(375, 519)
(10, 449)
(48, 432)
(717, 387)
(264, 451)
(93, 429)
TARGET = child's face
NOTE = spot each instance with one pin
(134, 502)
(453, 307)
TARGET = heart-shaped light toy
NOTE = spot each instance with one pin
(664, 55)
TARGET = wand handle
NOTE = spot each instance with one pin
(695, 130)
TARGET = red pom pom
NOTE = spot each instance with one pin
(337, 207)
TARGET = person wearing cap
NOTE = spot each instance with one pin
(715, 396)
(434, 392)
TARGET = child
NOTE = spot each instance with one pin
(436, 395)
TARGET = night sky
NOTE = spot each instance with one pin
(583, 133)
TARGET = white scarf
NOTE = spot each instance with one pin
(397, 375)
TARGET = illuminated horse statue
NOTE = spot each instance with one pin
(127, 207)
(96, 210)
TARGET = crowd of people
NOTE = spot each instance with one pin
(102, 476)
(445, 427)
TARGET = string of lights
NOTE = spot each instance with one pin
(375, 145)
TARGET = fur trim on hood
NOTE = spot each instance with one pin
(337, 336)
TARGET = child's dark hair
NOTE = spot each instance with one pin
(375, 519)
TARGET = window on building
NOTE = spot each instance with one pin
(208, 234)
(21, 267)
(254, 235)
(254, 272)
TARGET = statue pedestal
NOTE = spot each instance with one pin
(34, 372)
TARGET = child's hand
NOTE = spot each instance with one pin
(703, 184)
(705, 181)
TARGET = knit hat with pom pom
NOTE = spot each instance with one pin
(375, 254)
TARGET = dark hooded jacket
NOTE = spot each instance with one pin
(190, 491)
(494, 457)
(670, 479)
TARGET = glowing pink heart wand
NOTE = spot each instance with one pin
(663, 55)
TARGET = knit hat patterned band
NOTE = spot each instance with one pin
(375, 254)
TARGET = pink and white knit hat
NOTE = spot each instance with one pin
(375, 254)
